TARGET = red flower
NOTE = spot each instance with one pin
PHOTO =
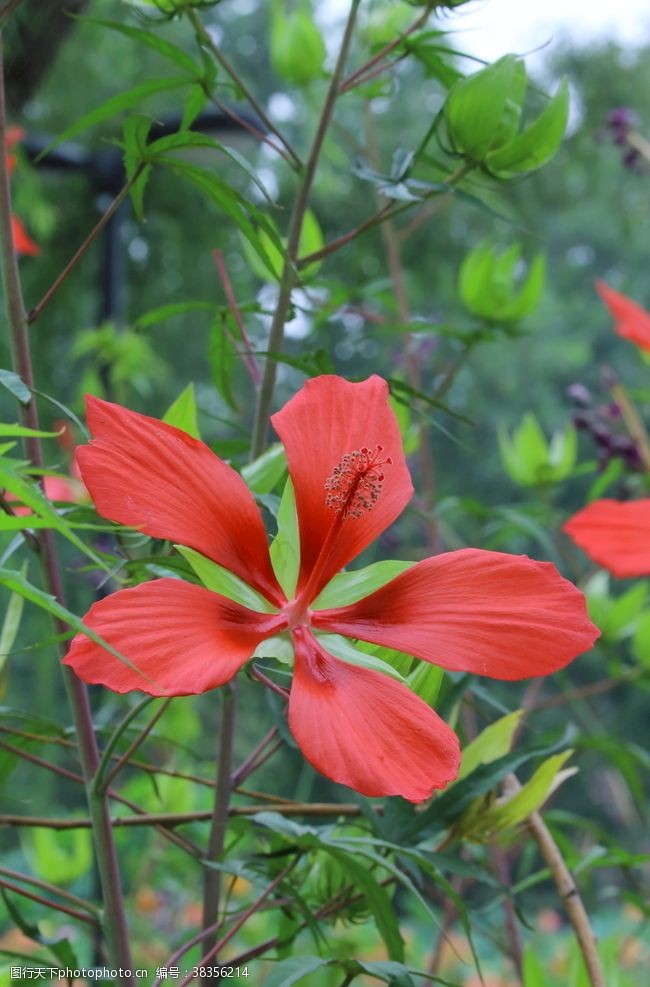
(498, 615)
(23, 243)
(615, 534)
(630, 320)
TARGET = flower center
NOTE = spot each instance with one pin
(354, 485)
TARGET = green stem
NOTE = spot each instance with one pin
(100, 782)
(289, 271)
(114, 921)
(223, 789)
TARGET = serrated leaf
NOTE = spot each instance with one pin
(116, 104)
(165, 48)
(220, 580)
(182, 413)
(348, 587)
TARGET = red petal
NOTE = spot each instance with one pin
(183, 638)
(631, 321)
(23, 243)
(327, 419)
(366, 731)
(144, 473)
(504, 616)
(614, 534)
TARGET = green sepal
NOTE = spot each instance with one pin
(182, 413)
(493, 742)
(285, 547)
(348, 587)
(479, 110)
(537, 143)
(220, 580)
(342, 648)
(265, 472)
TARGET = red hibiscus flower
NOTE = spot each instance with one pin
(498, 615)
(614, 534)
(630, 320)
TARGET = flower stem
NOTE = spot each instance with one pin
(567, 889)
(212, 876)
(289, 274)
(114, 921)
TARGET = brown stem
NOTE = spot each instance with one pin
(169, 819)
(358, 77)
(567, 890)
(142, 736)
(72, 912)
(60, 892)
(288, 279)
(205, 40)
(90, 239)
(114, 921)
(219, 820)
(250, 360)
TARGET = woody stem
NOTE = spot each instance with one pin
(114, 922)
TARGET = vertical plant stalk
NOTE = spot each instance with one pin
(566, 886)
(219, 824)
(413, 375)
(113, 919)
(289, 271)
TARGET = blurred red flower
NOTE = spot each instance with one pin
(503, 616)
(614, 534)
(630, 320)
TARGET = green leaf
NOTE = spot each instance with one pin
(220, 580)
(425, 681)
(491, 743)
(163, 312)
(342, 648)
(59, 858)
(223, 358)
(485, 822)
(123, 101)
(165, 48)
(16, 386)
(348, 587)
(10, 626)
(538, 142)
(285, 547)
(297, 49)
(21, 431)
(265, 472)
(641, 640)
(478, 110)
(46, 516)
(136, 130)
(292, 970)
(182, 413)
(16, 582)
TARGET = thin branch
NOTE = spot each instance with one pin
(170, 819)
(567, 890)
(205, 40)
(358, 77)
(90, 239)
(242, 771)
(51, 888)
(113, 740)
(289, 272)
(140, 739)
(250, 360)
(72, 912)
